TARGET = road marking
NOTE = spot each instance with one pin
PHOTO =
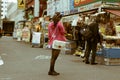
(42, 57)
(4, 54)
(5, 78)
(1, 61)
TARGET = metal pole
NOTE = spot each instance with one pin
(0, 13)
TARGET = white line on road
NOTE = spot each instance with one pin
(1, 61)
(5, 78)
(4, 54)
(42, 57)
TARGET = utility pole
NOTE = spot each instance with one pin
(0, 13)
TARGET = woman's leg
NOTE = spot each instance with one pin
(55, 54)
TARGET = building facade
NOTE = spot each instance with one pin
(3, 8)
(13, 13)
(34, 9)
(68, 7)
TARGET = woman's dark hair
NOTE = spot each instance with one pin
(57, 16)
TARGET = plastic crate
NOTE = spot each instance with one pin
(111, 52)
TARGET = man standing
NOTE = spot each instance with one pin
(0, 32)
(91, 46)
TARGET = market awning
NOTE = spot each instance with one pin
(90, 12)
(115, 12)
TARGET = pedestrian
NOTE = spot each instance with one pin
(91, 46)
(81, 38)
(0, 32)
(55, 27)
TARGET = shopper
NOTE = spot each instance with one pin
(56, 31)
(0, 32)
(91, 46)
(81, 38)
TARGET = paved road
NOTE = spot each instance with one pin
(19, 61)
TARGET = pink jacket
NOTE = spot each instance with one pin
(58, 32)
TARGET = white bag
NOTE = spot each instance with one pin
(59, 45)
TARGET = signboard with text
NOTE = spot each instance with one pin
(89, 7)
(78, 3)
(21, 4)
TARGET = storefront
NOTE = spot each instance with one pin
(110, 29)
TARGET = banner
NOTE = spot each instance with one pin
(36, 8)
(21, 4)
(78, 3)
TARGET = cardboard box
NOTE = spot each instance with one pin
(100, 60)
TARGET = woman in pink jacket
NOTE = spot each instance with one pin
(56, 31)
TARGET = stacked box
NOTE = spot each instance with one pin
(71, 47)
(70, 51)
(100, 58)
(72, 44)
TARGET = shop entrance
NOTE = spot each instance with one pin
(8, 28)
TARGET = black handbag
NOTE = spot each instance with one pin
(86, 33)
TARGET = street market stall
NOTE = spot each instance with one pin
(110, 53)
